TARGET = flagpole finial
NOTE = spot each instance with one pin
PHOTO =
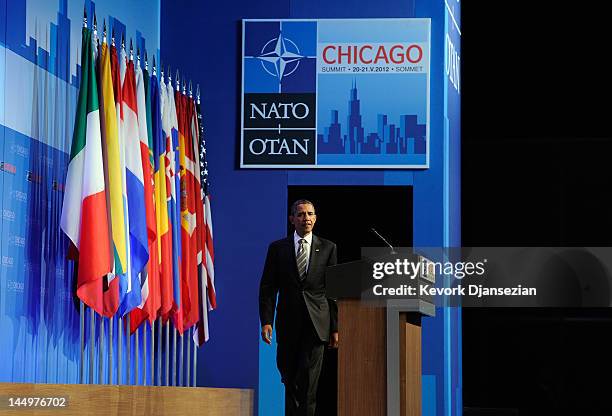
(190, 90)
(198, 93)
(104, 31)
(138, 56)
(113, 37)
(154, 67)
(131, 50)
(184, 87)
(162, 68)
(96, 41)
(122, 41)
(178, 83)
(146, 61)
(85, 17)
(95, 33)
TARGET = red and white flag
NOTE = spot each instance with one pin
(206, 269)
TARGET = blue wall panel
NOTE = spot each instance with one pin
(338, 9)
(39, 78)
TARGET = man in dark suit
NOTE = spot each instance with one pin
(306, 320)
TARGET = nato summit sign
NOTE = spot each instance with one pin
(335, 93)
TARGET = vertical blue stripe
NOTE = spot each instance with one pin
(448, 370)
(269, 381)
(428, 385)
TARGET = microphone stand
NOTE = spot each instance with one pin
(383, 240)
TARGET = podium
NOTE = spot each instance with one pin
(379, 357)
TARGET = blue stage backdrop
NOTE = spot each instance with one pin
(249, 206)
(40, 44)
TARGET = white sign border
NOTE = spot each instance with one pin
(316, 166)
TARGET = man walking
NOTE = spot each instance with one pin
(306, 320)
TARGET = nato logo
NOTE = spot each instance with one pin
(280, 57)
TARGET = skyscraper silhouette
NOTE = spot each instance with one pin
(355, 130)
(408, 137)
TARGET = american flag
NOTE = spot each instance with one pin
(208, 297)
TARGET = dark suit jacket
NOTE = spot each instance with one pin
(280, 276)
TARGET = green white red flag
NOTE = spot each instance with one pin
(84, 214)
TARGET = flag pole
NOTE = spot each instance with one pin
(178, 89)
(153, 331)
(181, 352)
(95, 319)
(188, 366)
(110, 320)
(119, 350)
(101, 352)
(159, 347)
(195, 360)
(76, 273)
(128, 351)
(167, 378)
(92, 335)
(182, 348)
(174, 356)
(136, 357)
(82, 331)
(121, 324)
(153, 321)
(144, 354)
(195, 329)
(137, 333)
(110, 350)
(152, 354)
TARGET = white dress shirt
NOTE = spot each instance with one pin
(307, 245)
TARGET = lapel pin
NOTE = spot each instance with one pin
(316, 250)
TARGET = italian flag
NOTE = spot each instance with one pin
(84, 215)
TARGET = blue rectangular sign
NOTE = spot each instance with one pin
(335, 93)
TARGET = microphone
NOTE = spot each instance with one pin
(384, 240)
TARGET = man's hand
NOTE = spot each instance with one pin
(266, 334)
(333, 340)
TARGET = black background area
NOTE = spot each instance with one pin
(536, 171)
(345, 215)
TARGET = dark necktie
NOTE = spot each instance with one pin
(302, 258)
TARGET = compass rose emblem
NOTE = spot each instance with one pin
(280, 57)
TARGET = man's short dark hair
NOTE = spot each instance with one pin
(299, 202)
